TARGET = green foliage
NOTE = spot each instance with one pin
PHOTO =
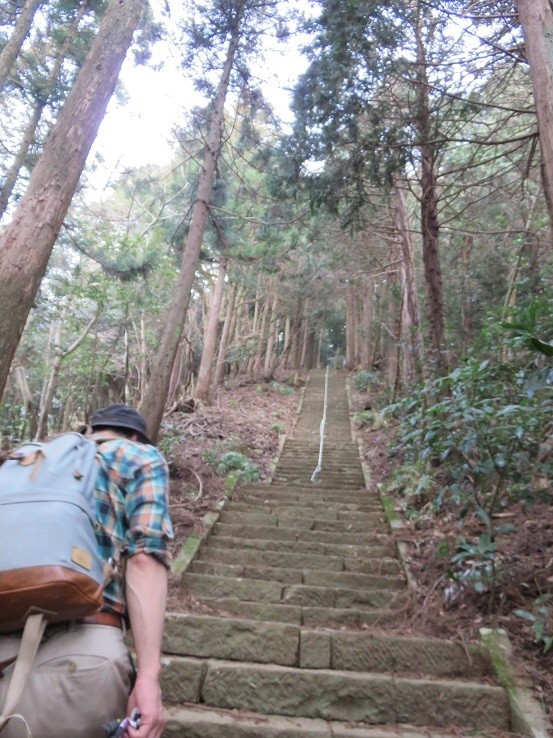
(12, 425)
(482, 424)
(282, 389)
(414, 485)
(369, 419)
(232, 461)
(229, 458)
(168, 441)
(481, 432)
(365, 380)
(477, 561)
(525, 326)
(542, 621)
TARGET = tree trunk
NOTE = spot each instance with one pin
(365, 338)
(286, 347)
(156, 394)
(261, 339)
(350, 328)
(374, 361)
(468, 323)
(220, 368)
(536, 18)
(411, 299)
(21, 31)
(59, 355)
(268, 366)
(203, 382)
(28, 401)
(28, 240)
(429, 207)
(29, 136)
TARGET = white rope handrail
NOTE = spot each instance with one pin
(319, 467)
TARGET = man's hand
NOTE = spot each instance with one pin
(146, 697)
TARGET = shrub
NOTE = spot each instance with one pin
(365, 380)
(233, 461)
(481, 431)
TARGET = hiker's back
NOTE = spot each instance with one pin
(50, 564)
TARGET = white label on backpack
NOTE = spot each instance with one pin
(81, 557)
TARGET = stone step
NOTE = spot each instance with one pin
(307, 462)
(306, 503)
(309, 491)
(275, 533)
(335, 472)
(348, 461)
(326, 522)
(259, 590)
(272, 558)
(324, 481)
(235, 639)
(272, 689)
(322, 512)
(364, 559)
(199, 721)
(286, 575)
(310, 617)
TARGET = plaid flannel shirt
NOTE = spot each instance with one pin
(132, 506)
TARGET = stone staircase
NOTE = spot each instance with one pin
(299, 576)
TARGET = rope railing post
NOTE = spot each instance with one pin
(319, 467)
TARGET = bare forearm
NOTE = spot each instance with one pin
(146, 592)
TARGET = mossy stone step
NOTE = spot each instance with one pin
(331, 485)
(198, 721)
(321, 512)
(312, 503)
(310, 491)
(275, 533)
(367, 559)
(311, 617)
(334, 695)
(260, 590)
(272, 558)
(327, 521)
(286, 575)
(238, 639)
(313, 497)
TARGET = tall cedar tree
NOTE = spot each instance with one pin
(229, 32)
(366, 107)
(20, 32)
(28, 240)
(536, 18)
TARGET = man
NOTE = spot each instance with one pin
(82, 674)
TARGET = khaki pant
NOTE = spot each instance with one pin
(79, 680)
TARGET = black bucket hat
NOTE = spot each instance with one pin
(121, 416)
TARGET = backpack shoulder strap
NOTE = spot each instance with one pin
(30, 641)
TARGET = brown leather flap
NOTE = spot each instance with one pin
(61, 592)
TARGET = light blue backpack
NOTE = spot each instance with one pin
(50, 570)
(48, 551)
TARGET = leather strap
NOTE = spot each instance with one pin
(103, 618)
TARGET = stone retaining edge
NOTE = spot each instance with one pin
(191, 546)
(527, 715)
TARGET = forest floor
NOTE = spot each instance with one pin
(250, 418)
